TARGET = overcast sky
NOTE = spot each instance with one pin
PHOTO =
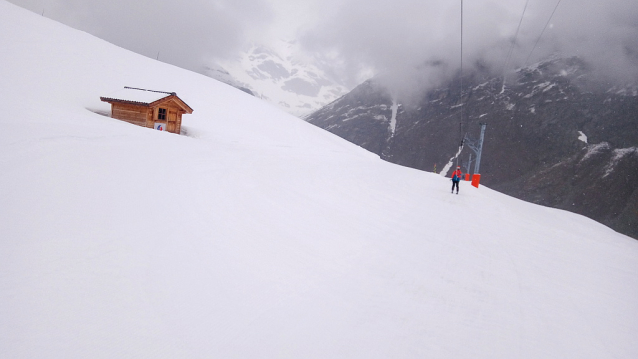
(404, 41)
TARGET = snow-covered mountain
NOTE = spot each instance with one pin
(280, 74)
(555, 135)
(257, 235)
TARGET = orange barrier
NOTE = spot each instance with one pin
(476, 178)
(467, 176)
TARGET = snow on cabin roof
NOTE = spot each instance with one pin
(142, 96)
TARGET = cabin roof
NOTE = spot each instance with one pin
(143, 97)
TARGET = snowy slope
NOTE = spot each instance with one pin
(259, 235)
(281, 75)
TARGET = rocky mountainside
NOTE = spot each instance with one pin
(281, 75)
(555, 136)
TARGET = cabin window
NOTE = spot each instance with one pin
(161, 114)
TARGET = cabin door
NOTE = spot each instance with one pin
(172, 121)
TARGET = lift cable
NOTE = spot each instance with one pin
(509, 55)
(461, 92)
(542, 32)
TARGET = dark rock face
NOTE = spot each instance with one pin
(362, 117)
(554, 136)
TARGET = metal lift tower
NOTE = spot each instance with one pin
(478, 149)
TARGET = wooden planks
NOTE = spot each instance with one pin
(129, 113)
(172, 119)
(178, 126)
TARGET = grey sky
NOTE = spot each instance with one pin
(400, 40)
(186, 33)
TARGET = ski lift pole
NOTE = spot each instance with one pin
(477, 165)
(476, 178)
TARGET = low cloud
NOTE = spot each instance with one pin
(408, 44)
(186, 33)
(414, 44)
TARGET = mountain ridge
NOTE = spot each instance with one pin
(281, 75)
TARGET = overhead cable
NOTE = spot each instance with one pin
(542, 32)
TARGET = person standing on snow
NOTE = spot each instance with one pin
(456, 178)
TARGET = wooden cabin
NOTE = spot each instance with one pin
(148, 108)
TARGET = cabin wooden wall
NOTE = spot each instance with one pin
(137, 115)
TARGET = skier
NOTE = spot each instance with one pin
(456, 178)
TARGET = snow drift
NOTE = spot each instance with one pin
(259, 235)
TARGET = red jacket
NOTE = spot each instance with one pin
(458, 174)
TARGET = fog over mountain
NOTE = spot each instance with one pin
(412, 44)
(408, 44)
